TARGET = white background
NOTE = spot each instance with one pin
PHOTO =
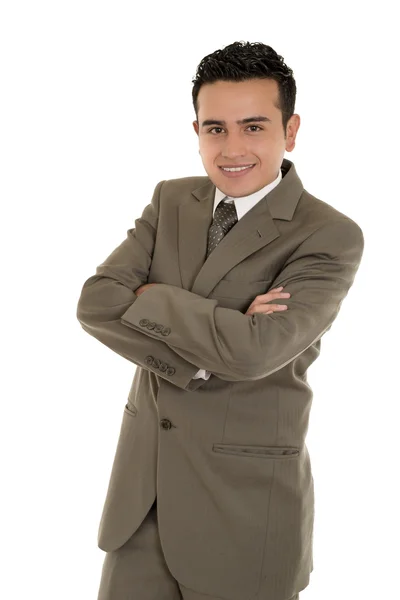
(95, 110)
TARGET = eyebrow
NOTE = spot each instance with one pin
(258, 118)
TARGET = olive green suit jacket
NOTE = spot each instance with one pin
(226, 456)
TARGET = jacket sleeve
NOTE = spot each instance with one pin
(106, 295)
(318, 275)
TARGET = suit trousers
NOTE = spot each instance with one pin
(138, 571)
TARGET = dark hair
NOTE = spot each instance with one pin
(244, 60)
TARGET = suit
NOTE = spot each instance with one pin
(225, 456)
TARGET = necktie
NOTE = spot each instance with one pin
(225, 217)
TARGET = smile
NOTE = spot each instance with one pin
(236, 171)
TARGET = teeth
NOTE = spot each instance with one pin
(236, 168)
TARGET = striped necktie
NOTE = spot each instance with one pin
(225, 217)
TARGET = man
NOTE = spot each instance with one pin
(220, 295)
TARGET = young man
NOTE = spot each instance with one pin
(220, 295)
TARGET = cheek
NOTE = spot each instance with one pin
(206, 149)
(208, 154)
(264, 154)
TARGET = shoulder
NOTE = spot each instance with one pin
(321, 214)
(177, 191)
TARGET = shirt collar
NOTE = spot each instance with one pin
(245, 203)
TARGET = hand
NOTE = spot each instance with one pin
(143, 288)
(258, 305)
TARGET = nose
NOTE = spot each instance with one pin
(234, 147)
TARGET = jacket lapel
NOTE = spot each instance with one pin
(253, 231)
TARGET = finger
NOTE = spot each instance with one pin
(272, 295)
(262, 308)
(268, 312)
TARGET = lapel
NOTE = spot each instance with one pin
(253, 231)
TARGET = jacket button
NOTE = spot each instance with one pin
(166, 331)
(170, 371)
(151, 325)
(148, 360)
(158, 328)
(165, 423)
(143, 322)
(163, 366)
(156, 363)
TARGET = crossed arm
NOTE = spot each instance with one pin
(231, 345)
(228, 343)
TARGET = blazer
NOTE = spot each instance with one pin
(226, 457)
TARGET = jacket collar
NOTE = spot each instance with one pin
(254, 230)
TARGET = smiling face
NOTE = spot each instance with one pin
(259, 140)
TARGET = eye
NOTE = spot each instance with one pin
(258, 127)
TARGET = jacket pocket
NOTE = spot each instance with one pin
(278, 452)
(130, 409)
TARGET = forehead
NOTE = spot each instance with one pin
(233, 100)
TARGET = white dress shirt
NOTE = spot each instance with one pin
(242, 205)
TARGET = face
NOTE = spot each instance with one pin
(225, 142)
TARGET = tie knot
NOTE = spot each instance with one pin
(225, 215)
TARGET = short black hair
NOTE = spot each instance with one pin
(245, 60)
